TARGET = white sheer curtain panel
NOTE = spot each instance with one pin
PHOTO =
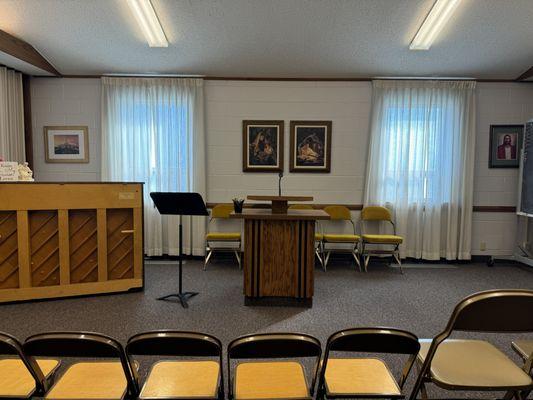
(153, 132)
(11, 116)
(421, 163)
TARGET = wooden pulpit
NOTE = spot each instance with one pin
(279, 254)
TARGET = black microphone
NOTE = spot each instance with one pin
(279, 183)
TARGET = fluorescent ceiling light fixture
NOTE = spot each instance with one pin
(440, 13)
(147, 19)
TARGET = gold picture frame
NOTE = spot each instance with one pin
(66, 144)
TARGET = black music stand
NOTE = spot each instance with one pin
(181, 204)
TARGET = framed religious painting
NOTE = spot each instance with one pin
(66, 144)
(505, 145)
(262, 146)
(310, 146)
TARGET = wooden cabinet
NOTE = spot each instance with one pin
(70, 239)
(279, 256)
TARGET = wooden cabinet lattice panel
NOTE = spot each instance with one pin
(70, 239)
(83, 246)
(119, 243)
(44, 248)
(9, 266)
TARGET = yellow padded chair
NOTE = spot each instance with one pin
(319, 236)
(341, 213)
(379, 214)
(222, 211)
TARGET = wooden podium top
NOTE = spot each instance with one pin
(252, 213)
(280, 198)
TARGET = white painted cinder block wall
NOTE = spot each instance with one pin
(347, 104)
(56, 101)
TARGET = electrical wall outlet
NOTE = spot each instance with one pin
(483, 246)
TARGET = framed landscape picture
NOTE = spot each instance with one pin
(66, 144)
(310, 146)
(505, 145)
(262, 146)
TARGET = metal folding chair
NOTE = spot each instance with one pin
(476, 365)
(272, 379)
(193, 377)
(21, 375)
(366, 377)
(111, 376)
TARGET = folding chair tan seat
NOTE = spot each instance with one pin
(197, 376)
(365, 376)
(22, 376)
(264, 378)
(476, 365)
(461, 364)
(108, 377)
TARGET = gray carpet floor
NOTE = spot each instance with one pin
(420, 301)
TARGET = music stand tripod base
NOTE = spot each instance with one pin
(182, 297)
(168, 203)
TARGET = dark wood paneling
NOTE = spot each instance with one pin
(24, 51)
(354, 207)
(279, 258)
(83, 245)
(44, 248)
(9, 265)
(120, 243)
(495, 209)
(359, 207)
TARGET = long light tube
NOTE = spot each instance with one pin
(147, 19)
(440, 13)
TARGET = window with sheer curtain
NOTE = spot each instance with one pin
(152, 132)
(11, 116)
(421, 163)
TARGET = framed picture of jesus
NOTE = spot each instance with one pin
(262, 146)
(310, 146)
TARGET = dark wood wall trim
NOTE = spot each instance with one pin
(495, 209)
(359, 207)
(274, 79)
(18, 48)
(28, 131)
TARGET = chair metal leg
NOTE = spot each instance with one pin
(238, 257)
(327, 259)
(207, 257)
(323, 255)
(367, 260)
(397, 257)
(355, 254)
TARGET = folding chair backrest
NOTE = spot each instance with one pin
(9, 345)
(338, 213)
(375, 213)
(222, 211)
(276, 345)
(82, 345)
(494, 311)
(174, 343)
(374, 340)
